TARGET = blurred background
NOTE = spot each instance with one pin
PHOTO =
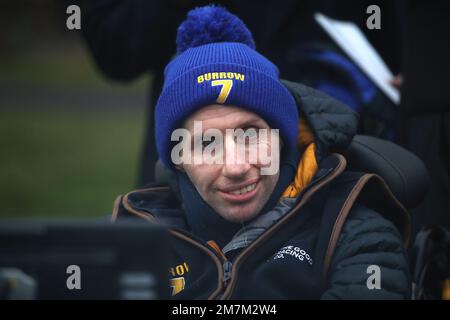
(69, 138)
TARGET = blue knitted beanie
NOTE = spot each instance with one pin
(217, 64)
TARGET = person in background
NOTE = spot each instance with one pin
(425, 105)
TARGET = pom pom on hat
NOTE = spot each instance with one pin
(212, 24)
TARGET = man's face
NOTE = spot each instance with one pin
(236, 190)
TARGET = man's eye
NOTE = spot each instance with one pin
(251, 132)
(250, 135)
(206, 143)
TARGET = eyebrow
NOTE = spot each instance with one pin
(252, 121)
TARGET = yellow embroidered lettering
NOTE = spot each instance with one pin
(239, 76)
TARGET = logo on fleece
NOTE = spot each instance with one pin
(178, 282)
(224, 79)
(295, 252)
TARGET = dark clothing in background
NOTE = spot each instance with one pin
(132, 37)
(425, 106)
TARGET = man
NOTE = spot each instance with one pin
(261, 206)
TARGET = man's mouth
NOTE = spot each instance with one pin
(241, 194)
(244, 189)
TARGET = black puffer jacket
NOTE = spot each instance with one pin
(340, 236)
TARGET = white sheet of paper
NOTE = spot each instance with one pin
(353, 42)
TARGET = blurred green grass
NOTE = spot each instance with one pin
(65, 160)
(61, 163)
(58, 67)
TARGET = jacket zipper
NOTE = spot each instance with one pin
(227, 267)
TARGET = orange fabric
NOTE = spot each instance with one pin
(216, 248)
(307, 166)
(304, 136)
(446, 290)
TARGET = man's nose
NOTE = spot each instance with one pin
(236, 162)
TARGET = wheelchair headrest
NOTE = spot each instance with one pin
(403, 171)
